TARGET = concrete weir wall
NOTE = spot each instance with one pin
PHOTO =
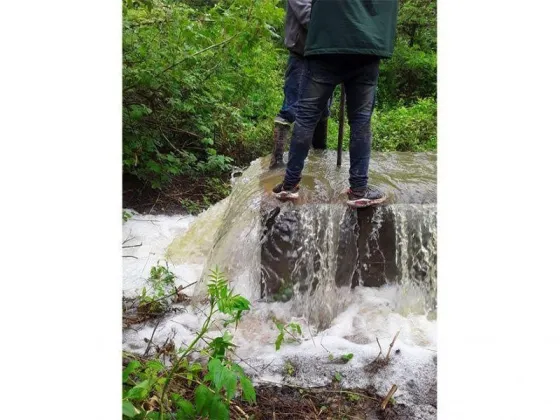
(367, 246)
(317, 244)
(319, 239)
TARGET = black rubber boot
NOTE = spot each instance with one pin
(280, 135)
(320, 135)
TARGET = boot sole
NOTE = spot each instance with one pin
(365, 202)
(285, 195)
(284, 123)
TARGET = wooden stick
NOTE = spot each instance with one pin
(241, 411)
(132, 246)
(392, 342)
(151, 338)
(388, 397)
(380, 350)
(340, 125)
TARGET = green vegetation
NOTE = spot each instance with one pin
(200, 390)
(158, 298)
(406, 128)
(289, 368)
(353, 397)
(126, 216)
(284, 294)
(202, 81)
(293, 329)
(347, 357)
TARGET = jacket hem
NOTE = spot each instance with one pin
(360, 51)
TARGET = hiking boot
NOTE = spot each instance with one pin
(280, 120)
(365, 197)
(284, 192)
(320, 135)
(280, 134)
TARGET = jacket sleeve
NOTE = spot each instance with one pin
(302, 10)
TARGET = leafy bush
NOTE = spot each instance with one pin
(158, 298)
(411, 73)
(200, 82)
(146, 392)
(410, 128)
(404, 128)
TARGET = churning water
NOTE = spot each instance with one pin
(352, 279)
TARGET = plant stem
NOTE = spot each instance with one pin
(202, 332)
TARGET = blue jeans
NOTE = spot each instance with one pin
(292, 80)
(322, 74)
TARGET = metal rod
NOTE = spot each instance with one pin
(340, 125)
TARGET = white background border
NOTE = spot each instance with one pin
(60, 167)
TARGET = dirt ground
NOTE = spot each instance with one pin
(183, 195)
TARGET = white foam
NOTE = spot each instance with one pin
(153, 234)
(373, 314)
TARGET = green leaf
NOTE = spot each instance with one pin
(128, 409)
(279, 340)
(295, 327)
(154, 166)
(202, 397)
(140, 391)
(347, 357)
(186, 410)
(219, 347)
(216, 372)
(138, 111)
(248, 389)
(195, 367)
(218, 410)
(229, 382)
(239, 303)
(130, 368)
(155, 365)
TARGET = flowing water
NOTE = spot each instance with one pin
(350, 278)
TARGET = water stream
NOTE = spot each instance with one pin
(350, 278)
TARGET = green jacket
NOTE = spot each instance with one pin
(352, 27)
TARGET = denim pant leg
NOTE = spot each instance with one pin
(327, 111)
(314, 95)
(360, 99)
(292, 79)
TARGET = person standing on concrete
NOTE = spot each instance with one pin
(297, 18)
(345, 43)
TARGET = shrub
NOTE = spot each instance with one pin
(404, 128)
(146, 391)
(201, 83)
